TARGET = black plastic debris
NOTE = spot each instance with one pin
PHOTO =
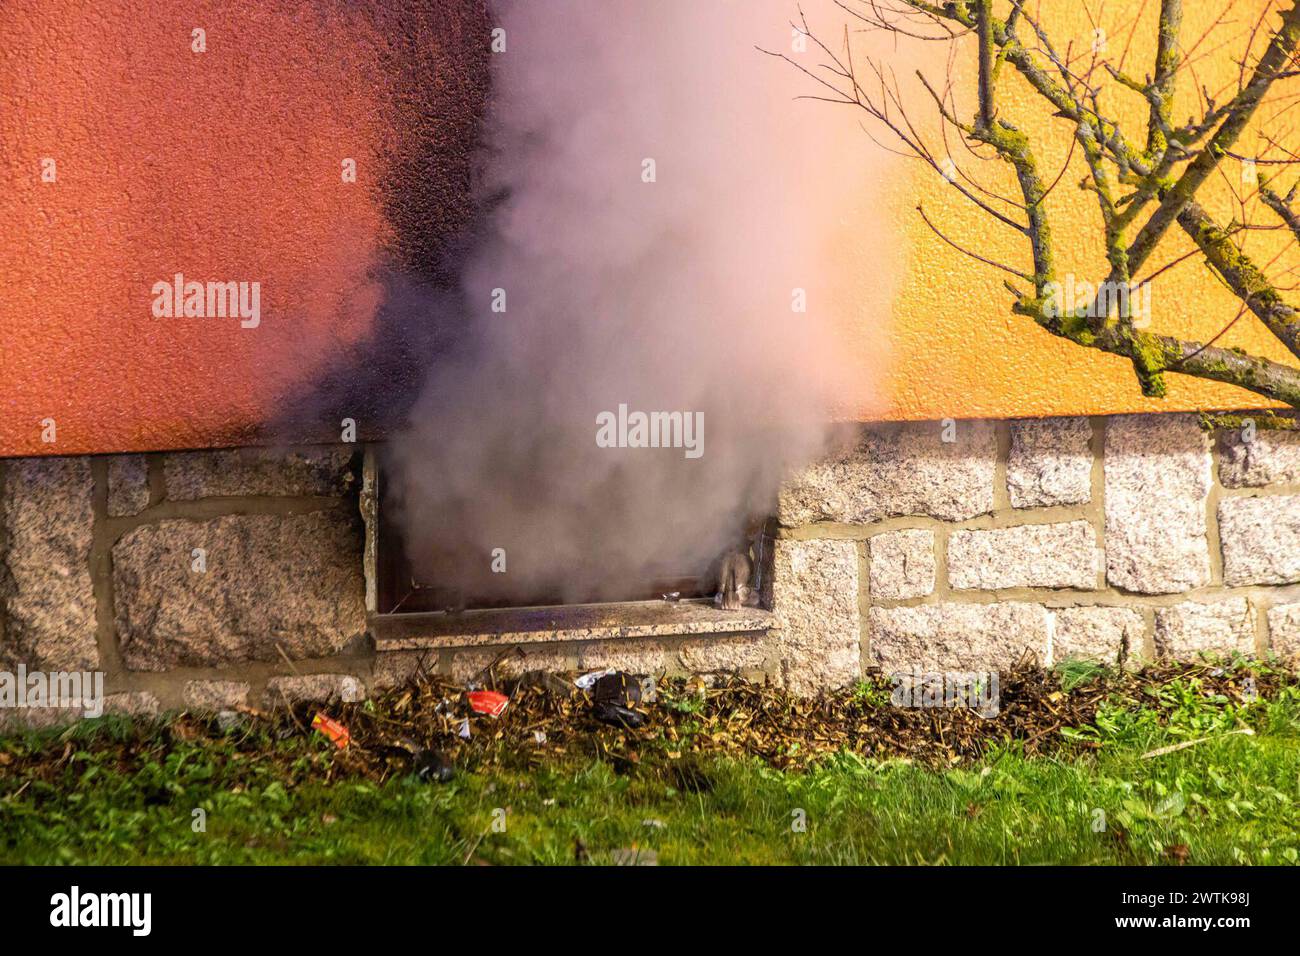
(608, 712)
(618, 688)
(432, 766)
(615, 695)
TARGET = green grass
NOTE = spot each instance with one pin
(1232, 799)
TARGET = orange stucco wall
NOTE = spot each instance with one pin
(226, 165)
(221, 165)
(957, 350)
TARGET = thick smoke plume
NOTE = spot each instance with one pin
(677, 294)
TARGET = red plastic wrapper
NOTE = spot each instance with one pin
(487, 702)
(332, 729)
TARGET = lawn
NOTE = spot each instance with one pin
(116, 791)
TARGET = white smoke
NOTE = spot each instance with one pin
(678, 294)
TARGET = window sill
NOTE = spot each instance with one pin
(579, 622)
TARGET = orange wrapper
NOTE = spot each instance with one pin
(487, 702)
(332, 729)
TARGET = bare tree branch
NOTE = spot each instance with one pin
(1176, 198)
(1242, 276)
(1282, 206)
(1175, 163)
(984, 18)
(1159, 353)
(966, 252)
(1162, 87)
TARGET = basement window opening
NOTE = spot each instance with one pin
(409, 611)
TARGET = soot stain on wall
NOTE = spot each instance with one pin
(437, 65)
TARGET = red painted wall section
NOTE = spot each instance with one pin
(224, 165)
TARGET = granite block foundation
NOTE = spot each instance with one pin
(1117, 539)
(225, 579)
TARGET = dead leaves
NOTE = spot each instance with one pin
(550, 720)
